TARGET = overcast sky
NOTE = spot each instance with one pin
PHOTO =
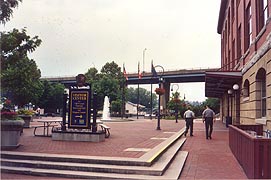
(77, 35)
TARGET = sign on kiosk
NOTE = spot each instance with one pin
(79, 110)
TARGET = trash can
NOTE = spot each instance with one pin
(228, 121)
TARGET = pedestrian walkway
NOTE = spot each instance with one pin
(210, 159)
(207, 159)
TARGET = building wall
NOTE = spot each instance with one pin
(235, 18)
(248, 56)
(249, 105)
(130, 108)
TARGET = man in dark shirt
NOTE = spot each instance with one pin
(208, 116)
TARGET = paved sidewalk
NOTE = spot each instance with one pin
(207, 159)
(210, 159)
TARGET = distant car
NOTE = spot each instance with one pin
(149, 115)
(49, 114)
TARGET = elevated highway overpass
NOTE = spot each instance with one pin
(216, 82)
(170, 76)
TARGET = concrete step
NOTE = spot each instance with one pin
(146, 160)
(157, 168)
(172, 172)
(165, 160)
(73, 158)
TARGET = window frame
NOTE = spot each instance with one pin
(262, 14)
(261, 90)
(246, 90)
(248, 27)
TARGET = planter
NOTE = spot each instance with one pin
(10, 133)
(176, 100)
(27, 119)
(160, 91)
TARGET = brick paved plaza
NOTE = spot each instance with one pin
(207, 159)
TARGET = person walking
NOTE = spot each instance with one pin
(208, 116)
(189, 117)
(38, 112)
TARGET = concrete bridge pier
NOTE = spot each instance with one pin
(165, 98)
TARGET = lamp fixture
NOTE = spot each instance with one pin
(235, 87)
(230, 92)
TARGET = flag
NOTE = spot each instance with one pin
(153, 71)
(124, 73)
(139, 73)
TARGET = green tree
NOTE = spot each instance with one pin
(116, 106)
(107, 83)
(7, 9)
(15, 45)
(108, 86)
(213, 103)
(144, 97)
(92, 75)
(197, 109)
(176, 103)
(19, 74)
(112, 69)
(20, 82)
(52, 97)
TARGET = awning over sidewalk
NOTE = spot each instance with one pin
(218, 82)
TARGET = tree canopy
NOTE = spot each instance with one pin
(112, 69)
(51, 98)
(91, 75)
(107, 83)
(7, 9)
(213, 103)
(144, 97)
(19, 74)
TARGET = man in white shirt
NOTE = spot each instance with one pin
(189, 117)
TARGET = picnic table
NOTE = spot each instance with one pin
(47, 123)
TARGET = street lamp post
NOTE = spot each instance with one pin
(151, 101)
(159, 105)
(159, 99)
(176, 105)
(138, 81)
(229, 118)
(235, 88)
(144, 60)
(64, 110)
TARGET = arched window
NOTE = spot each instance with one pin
(246, 88)
(261, 92)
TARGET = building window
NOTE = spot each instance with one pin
(233, 54)
(263, 14)
(233, 10)
(229, 23)
(248, 28)
(226, 33)
(261, 93)
(223, 54)
(239, 40)
(246, 89)
(265, 10)
(229, 60)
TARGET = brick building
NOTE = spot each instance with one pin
(244, 82)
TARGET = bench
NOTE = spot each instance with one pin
(105, 129)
